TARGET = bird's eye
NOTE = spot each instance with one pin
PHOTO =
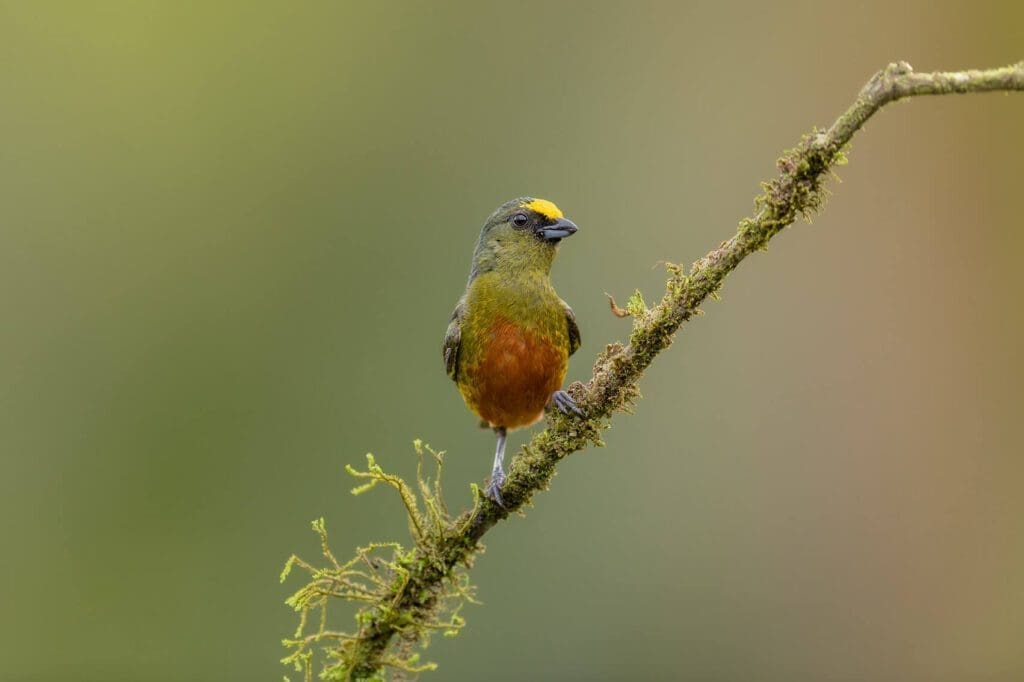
(520, 220)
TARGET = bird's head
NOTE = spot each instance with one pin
(521, 235)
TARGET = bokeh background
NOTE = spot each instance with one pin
(230, 238)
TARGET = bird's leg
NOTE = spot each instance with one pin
(565, 404)
(493, 489)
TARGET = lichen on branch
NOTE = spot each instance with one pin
(374, 576)
(407, 593)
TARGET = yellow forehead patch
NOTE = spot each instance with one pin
(545, 208)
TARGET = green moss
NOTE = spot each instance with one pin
(411, 592)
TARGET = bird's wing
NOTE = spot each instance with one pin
(574, 330)
(450, 348)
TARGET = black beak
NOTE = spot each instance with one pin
(562, 228)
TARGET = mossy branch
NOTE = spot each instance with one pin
(406, 591)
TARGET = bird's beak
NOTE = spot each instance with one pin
(562, 228)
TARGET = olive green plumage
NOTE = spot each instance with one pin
(510, 336)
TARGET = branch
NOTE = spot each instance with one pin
(407, 607)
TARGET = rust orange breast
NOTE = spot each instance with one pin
(513, 375)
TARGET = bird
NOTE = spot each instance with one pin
(510, 336)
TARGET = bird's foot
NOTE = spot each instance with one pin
(493, 489)
(565, 404)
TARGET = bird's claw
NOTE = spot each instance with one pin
(493, 489)
(565, 404)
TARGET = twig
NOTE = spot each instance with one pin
(797, 191)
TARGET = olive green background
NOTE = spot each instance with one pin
(230, 238)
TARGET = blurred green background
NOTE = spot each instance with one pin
(230, 238)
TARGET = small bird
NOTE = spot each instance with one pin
(510, 336)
